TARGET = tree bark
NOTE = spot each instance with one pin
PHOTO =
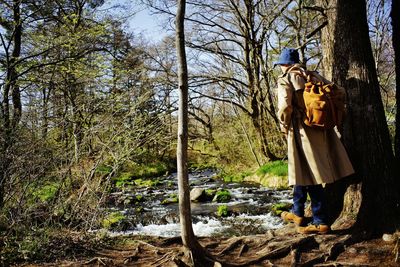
(188, 238)
(395, 15)
(348, 60)
(10, 119)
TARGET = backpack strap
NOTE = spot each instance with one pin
(300, 71)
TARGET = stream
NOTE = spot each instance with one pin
(249, 208)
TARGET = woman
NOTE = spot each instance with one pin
(315, 156)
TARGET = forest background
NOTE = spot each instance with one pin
(86, 102)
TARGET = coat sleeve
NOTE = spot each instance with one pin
(285, 108)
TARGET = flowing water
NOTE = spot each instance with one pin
(249, 208)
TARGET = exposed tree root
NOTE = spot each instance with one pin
(295, 255)
(396, 250)
(277, 253)
(337, 248)
(235, 242)
(161, 261)
(98, 260)
(132, 257)
(286, 248)
(243, 248)
(339, 264)
(313, 262)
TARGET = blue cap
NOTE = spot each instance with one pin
(288, 56)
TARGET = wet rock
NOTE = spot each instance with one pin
(207, 180)
(389, 238)
(222, 196)
(198, 194)
(170, 200)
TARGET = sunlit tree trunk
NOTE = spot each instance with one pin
(188, 238)
(348, 60)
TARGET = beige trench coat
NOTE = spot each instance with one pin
(315, 156)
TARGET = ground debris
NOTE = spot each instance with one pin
(281, 248)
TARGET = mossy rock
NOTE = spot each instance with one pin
(269, 181)
(222, 196)
(139, 198)
(147, 182)
(278, 208)
(123, 180)
(228, 177)
(139, 209)
(223, 211)
(173, 198)
(210, 193)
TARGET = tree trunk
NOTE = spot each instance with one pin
(10, 119)
(348, 60)
(188, 238)
(395, 15)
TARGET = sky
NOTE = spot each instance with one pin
(150, 25)
(140, 20)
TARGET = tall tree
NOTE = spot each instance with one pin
(395, 15)
(10, 114)
(198, 255)
(188, 238)
(349, 61)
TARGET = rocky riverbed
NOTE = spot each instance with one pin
(152, 209)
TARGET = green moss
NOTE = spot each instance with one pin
(278, 208)
(103, 169)
(123, 179)
(112, 219)
(139, 198)
(278, 168)
(173, 198)
(135, 174)
(148, 170)
(147, 183)
(222, 211)
(222, 195)
(198, 166)
(139, 209)
(233, 177)
(46, 192)
(210, 193)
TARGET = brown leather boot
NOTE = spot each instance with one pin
(291, 217)
(314, 229)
